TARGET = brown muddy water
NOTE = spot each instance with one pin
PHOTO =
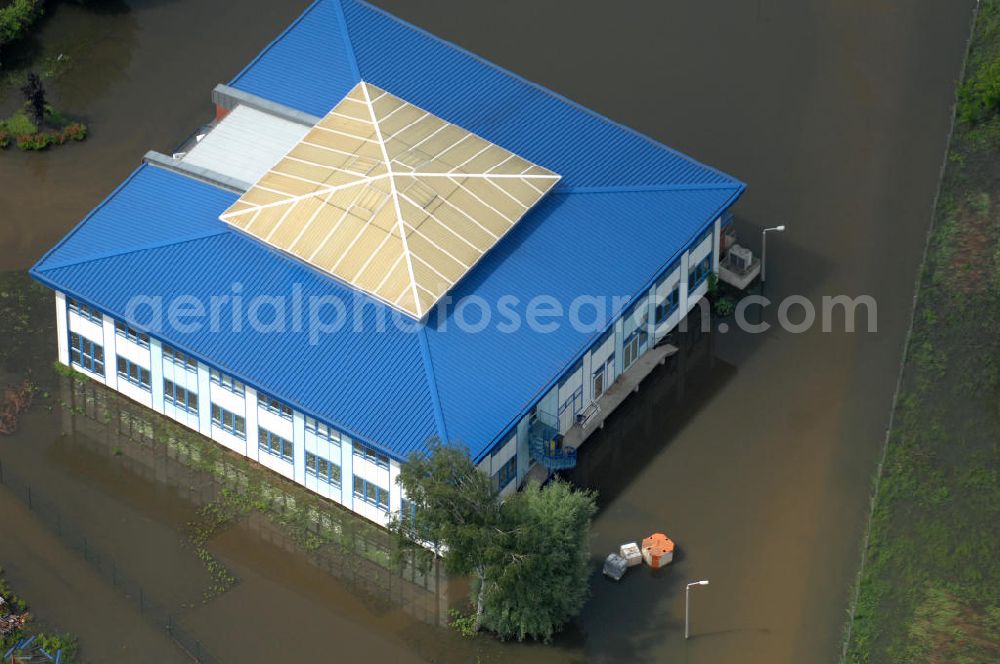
(835, 113)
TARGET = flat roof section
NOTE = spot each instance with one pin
(245, 144)
(391, 199)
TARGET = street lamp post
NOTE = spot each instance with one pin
(687, 605)
(763, 250)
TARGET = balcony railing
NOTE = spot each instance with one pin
(546, 443)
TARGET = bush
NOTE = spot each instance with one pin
(724, 307)
(979, 96)
(76, 131)
(37, 141)
(54, 118)
(20, 124)
(52, 643)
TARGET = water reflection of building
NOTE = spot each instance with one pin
(361, 160)
(150, 447)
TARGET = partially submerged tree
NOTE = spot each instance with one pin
(527, 555)
(34, 97)
(545, 583)
(454, 507)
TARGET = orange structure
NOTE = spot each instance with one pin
(658, 550)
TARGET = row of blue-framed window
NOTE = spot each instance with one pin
(85, 311)
(506, 473)
(227, 421)
(134, 373)
(85, 353)
(273, 405)
(123, 330)
(180, 396)
(182, 360)
(322, 469)
(666, 307)
(371, 493)
(323, 431)
(699, 272)
(226, 381)
(365, 452)
(275, 445)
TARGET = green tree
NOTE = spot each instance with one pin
(16, 16)
(527, 555)
(545, 581)
(455, 509)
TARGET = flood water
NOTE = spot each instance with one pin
(836, 115)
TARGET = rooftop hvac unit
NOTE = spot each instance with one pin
(740, 258)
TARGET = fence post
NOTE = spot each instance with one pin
(170, 625)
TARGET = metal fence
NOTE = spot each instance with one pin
(75, 540)
(352, 550)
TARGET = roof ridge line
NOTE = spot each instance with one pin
(555, 95)
(348, 44)
(623, 189)
(79, 225)
(395, 198)
(428, 362)
(271, 44)
(115, 254)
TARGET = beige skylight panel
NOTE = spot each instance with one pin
(391, 199)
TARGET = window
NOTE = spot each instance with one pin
(85, 353)
(133, 335)
(180, 396)
(699, 273)
(85, 311)
(365, 452)
(275, 445)
(180, 359)
(134, 373)
(668, 305)
(599, 383)
(573, 402)
(634, 346)
(234, 424)
(322, 469)
(226, 381)
(371, 493)
(507, 472)
(273, 405)
(322, 431)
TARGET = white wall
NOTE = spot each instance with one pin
(62, 328)
(199, 382)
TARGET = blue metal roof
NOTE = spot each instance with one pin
(625, 209)
(351, 379)
(336, 43)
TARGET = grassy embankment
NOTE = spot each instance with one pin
(930, 586)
